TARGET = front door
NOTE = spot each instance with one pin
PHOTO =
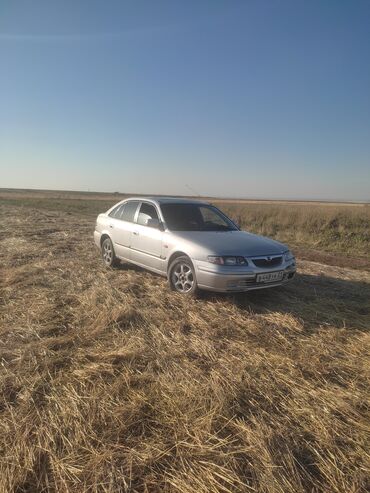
(146, 242)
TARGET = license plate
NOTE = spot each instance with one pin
(270, 276)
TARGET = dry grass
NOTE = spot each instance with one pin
(112, 383)
(314, 229)
(343, 229)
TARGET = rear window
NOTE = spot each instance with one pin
(129, 210)
(116, 212)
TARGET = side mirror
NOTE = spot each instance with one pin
(153, 223)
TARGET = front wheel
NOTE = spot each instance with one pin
(108, 255)
(182, 276)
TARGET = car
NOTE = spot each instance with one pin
(193, 244)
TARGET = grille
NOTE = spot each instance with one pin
(264, 262)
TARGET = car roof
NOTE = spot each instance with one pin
(168, 200)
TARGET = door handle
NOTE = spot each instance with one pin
(136, 233)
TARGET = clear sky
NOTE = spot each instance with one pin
(243, 98)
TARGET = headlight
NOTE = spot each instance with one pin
(229, 260)
(288, 256)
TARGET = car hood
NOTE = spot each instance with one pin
(233, 243)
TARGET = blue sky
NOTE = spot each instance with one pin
(237, 98)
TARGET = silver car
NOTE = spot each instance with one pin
(193, 244)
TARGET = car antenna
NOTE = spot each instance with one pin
(192, 190)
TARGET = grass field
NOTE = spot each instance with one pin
(314, 228)
(110, 382)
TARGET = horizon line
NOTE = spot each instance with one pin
(259, 199)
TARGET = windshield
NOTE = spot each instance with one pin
(195, 217)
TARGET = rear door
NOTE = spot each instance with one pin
(121, 227)
(146, 242)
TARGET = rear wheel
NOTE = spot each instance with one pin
(108, 255)
(182, 276)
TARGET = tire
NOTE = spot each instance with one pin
(108, 255)
(182, 278)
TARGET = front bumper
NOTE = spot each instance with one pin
(235, 279)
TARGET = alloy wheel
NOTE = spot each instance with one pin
(182, 278)
(107, 252)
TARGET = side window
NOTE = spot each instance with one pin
(129, 210)
(147, 211)
(119, 213)
(116, 211)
